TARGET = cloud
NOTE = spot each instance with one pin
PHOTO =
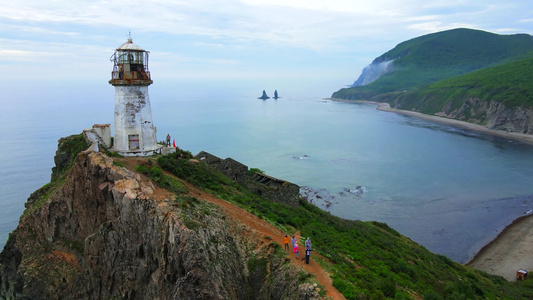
(238, 36)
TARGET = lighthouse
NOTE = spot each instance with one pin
(135, 133)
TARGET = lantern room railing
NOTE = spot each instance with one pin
(130, 65)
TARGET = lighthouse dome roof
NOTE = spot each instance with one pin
(129, 45)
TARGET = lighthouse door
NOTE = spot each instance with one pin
(133, 141)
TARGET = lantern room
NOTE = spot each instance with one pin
(130, 65)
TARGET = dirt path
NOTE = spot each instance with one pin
(277, 235)
(253, 222)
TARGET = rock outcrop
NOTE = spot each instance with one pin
(102, 232)
(269, 187)
(373, 72)
(493, 114)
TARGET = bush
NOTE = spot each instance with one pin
(165, 181)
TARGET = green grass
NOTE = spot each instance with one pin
(167, 182)
(369, 260)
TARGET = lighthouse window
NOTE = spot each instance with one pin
(133, 141)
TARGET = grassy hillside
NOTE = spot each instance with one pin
(510, 84)
(434, 57)
(368, 260)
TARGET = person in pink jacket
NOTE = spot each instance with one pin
(296, 250)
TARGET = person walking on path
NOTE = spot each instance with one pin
(308, 244)
(307, 255)
(286, 242)
(293, 241)
(296, 251)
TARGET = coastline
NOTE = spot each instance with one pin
(512, 249)
(520, 137)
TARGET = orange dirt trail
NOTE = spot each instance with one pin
(253, 222)
(277, 235)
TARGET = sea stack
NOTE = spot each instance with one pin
(264, 96)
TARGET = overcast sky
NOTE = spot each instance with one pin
(291, 41)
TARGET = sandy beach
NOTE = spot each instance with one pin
(524, 138)
(513, 247)
(510, 251)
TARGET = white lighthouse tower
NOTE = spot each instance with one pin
(135, 133)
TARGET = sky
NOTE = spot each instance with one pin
(314, 46)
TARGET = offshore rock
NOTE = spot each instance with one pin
(102, 232)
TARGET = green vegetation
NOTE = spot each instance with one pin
(167, 182)
(199, 175)
(509, 84)
(252, 171)
(439, 56)
(68, 149)
(367, 260)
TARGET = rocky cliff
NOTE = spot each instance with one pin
(373, 72)
(492, 114)
(101, 231)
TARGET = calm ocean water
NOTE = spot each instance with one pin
(447, 189)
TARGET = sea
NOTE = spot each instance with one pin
(447, 189)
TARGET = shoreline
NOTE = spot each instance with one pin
(510, 251)
(515, 136)
(512, 248)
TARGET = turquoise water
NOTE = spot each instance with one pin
(445, 188)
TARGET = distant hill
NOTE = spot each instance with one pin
(510, 84)
(434, 57)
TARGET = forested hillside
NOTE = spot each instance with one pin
(443, 55)
(510, 84)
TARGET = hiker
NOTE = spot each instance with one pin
(168, 139)
(307, 244)
(307, 255)
(296, 251)
(286, 242)
(293, 241)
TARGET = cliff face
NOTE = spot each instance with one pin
(102, 232)
(373, 72)
(494, 115)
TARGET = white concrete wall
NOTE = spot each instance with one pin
(104, 131)
(133, 115)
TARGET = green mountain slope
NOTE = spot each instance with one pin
(434, 57)
(510, 84)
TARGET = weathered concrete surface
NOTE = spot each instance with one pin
(133, 116)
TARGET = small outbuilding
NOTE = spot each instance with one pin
(521, 274)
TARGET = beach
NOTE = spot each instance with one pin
(512, 249)
(524, 138)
